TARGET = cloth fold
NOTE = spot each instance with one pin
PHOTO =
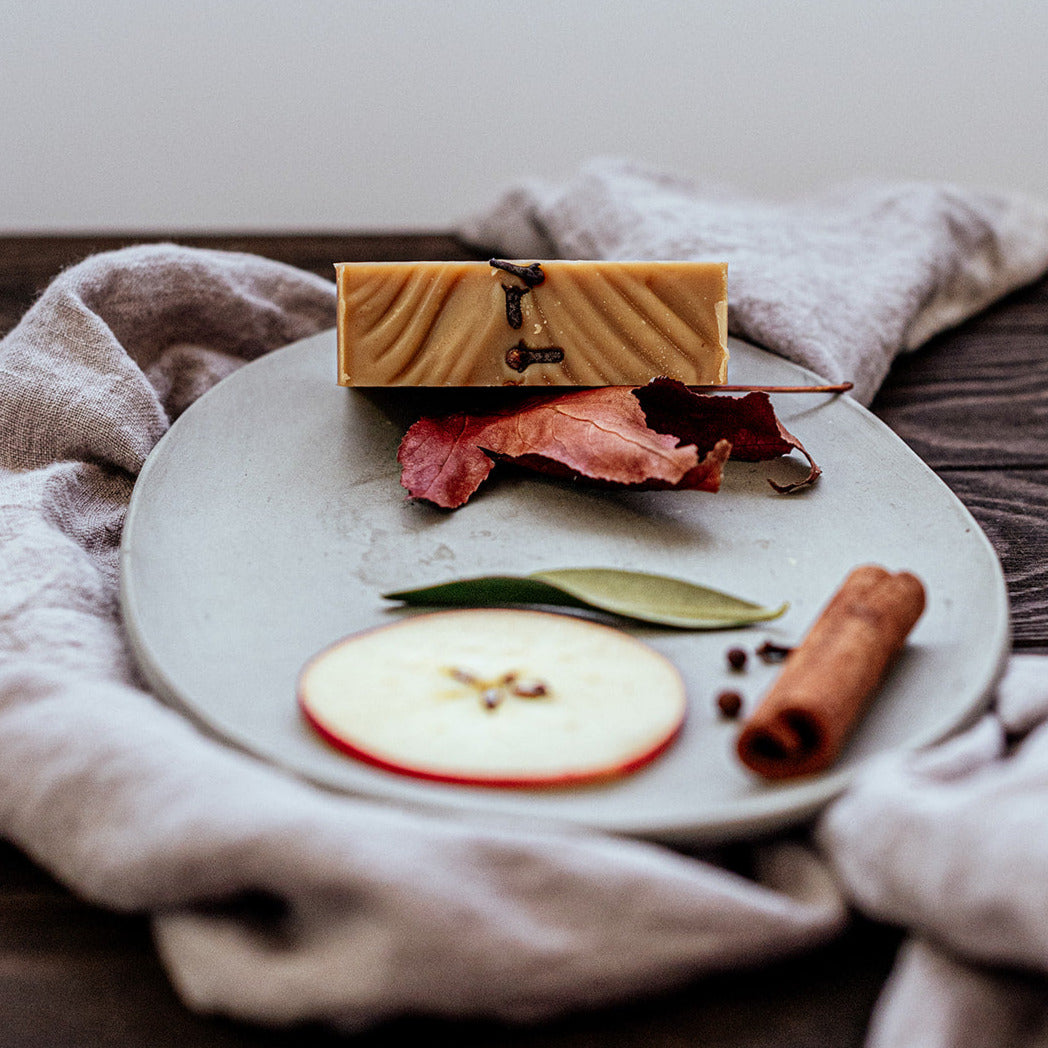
(841, 281)
(936, 1001)
(952, 843)
(274, 901)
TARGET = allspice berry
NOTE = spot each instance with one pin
(730, 704)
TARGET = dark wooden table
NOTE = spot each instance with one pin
(973, 404)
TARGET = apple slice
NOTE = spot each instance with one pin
(495, 698)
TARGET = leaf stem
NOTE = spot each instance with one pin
(839, 387)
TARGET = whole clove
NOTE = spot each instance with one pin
(520, 357)
(514, 313)
(532, 274)
(772, 653)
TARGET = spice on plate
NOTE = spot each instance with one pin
(771, 652)
(736, 658)
(729, 703)
(802, 723)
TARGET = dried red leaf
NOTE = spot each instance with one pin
(440, 460)
(661, 435)
(598, 435)
(748, 422)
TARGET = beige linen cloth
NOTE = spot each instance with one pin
(952, 844)
(840, 281)
(275, 902)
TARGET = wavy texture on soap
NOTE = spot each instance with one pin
(446, 324)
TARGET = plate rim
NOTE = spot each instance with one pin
(751, 818)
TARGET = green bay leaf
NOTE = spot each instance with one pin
(656, 599)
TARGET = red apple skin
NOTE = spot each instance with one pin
(553, 781)
(509, 782)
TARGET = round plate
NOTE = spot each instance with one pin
(270, 519)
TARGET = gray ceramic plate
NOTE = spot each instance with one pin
(269, 520)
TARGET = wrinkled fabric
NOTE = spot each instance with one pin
(276, 902)
(272, 900)
(840, 281)
(936, 1001)
(953, 844)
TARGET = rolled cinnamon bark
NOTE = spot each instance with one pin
(801, 725)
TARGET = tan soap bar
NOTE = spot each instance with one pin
(531, 323)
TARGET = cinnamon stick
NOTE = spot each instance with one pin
(826, 683)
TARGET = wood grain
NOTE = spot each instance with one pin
(973, 403)
(1011, 506)
(29, 263)
(977, 396)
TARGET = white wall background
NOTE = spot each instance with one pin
(373, 114)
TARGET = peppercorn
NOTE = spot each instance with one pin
(730, 704)
(736, 658)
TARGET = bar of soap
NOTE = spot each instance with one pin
(557, 323)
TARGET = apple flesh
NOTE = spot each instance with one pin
(495, 698)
